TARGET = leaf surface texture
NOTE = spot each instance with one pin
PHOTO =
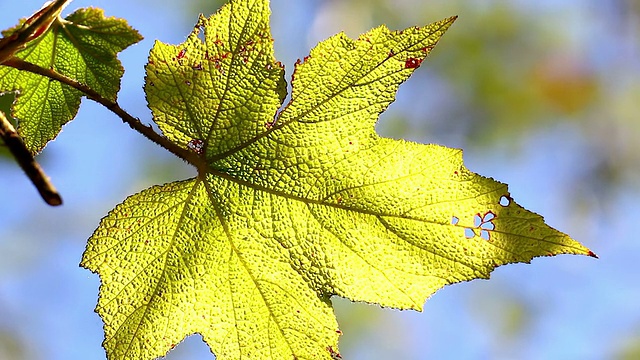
(295, 205)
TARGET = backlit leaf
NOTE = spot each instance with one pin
(290, 208)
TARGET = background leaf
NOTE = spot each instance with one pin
(292, 210)
(82, 47)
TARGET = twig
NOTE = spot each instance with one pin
(183, 153)
(33, 170)
(33, 27)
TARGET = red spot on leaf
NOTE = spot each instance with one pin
(181, 54)
(592, 254)
(196, 145)
(412, 63)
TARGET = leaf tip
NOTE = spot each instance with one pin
(592, 254)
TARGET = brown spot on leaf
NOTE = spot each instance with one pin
(334, 354)
(196, 145)
(412, 63)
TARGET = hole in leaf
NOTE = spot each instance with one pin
(477, 220)
(488, 226)
(488, 216)
(469, 233)
(505, 200)
(454, 220)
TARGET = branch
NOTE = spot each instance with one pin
(148, 132)
(33, 27)
(28, 164)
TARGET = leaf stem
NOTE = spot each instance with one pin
(146, 130)
(28, 164)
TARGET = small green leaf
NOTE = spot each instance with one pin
(82, 47)
(294, 207)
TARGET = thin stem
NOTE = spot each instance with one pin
(148, 132)
(28, 164)
(33, 27)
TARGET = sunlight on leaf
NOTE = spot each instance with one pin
(82, 47)
(293, 208)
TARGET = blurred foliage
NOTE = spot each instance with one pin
(188, 10)
(506, 316)
(629, 348)
(11, 346)
(365, 324)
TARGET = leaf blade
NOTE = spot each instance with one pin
(202, 297)
(82, 47)
(311, 205)
(234, 65)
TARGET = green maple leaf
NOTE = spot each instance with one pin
(83, 47)
(290, 208)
